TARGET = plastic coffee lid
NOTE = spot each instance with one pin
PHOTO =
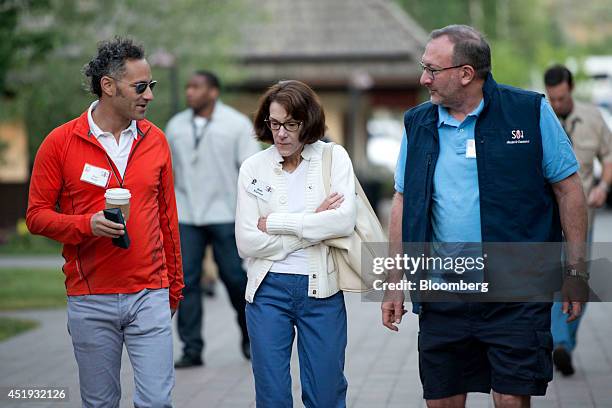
(118, 194)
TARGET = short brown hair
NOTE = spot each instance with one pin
(557, 74)
(301, 102)
(471, 48)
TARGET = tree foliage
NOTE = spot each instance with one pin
(45, 44)
(525, 35)
(21, 40)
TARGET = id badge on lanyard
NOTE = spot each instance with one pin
(197, 137)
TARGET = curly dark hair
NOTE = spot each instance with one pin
(110, 61)
(301, 102)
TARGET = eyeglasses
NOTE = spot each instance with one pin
(140, 87)
(290, 126)
(432, 72)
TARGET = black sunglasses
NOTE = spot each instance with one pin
(140, 87)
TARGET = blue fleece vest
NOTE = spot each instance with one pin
(517, 203)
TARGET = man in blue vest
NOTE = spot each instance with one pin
(482, 162)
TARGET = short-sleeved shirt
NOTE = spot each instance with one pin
(456, 197)
(591, 138)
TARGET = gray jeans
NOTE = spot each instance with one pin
(101, 324)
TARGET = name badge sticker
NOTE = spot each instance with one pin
(95, 175)
(260, 189)
(470, 149)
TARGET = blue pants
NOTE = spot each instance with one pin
(564, 334)
(193, 243)
(101, 324)
(281, 305)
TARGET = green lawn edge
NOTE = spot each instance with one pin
(10, 327)
(28, 289)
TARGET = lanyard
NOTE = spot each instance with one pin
(571, 128)
(120, 179)
(197, 137)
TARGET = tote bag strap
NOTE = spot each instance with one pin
(326, 166)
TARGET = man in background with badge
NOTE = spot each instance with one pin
(116, 295)
(591, 139)
(209, 142)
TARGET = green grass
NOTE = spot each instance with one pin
(28, 244)
(31, 289)
(10, 327)
(28, 289)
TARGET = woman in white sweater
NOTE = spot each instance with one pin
(282, 220)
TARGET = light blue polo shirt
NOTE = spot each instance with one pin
(456, 199)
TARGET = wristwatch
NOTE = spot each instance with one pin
(574, 272)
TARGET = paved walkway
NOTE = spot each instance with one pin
(20, 261)
(381, 367)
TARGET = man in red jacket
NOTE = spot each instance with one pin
(115, 296)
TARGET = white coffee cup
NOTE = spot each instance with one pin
(119, 198)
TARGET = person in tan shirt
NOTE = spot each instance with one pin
(591, 139)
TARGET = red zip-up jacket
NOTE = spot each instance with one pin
(60, 207)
